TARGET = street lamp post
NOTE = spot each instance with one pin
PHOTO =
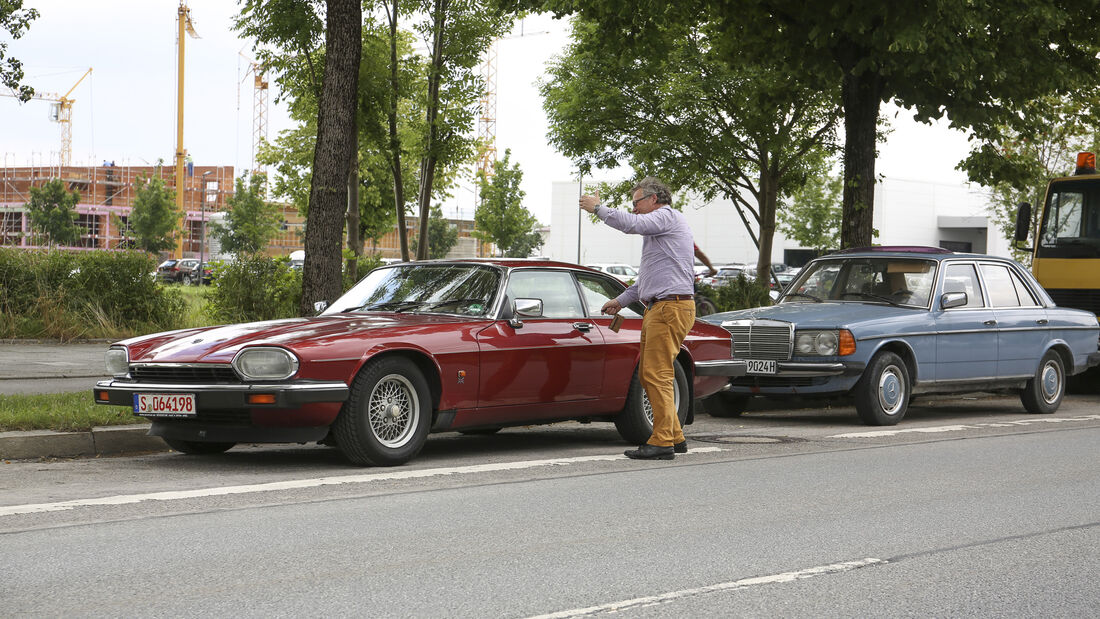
(202, 225)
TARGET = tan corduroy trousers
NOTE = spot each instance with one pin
(664, 327)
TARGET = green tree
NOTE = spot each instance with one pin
(16, 21)
(501, 218)
(154, 219)
(250, 221)
(52, 212)
(813, 216)
(743, 131)
(442, 235)
(1018, 165)
(978, 61)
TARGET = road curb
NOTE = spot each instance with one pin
(100, 441)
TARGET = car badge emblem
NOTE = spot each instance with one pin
(196, 340)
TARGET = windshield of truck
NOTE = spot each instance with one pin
(1071, 220)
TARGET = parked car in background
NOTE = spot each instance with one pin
(413, 348)
(178, 271)
(207, 274)
(164, 270)
(726, 274)
(883, 324)
(624, 272)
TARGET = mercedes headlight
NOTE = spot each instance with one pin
(818, 343)
(117, 361)
(265, 363)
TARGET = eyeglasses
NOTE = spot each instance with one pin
(635, 202)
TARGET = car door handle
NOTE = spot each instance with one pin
(990, 322)
(1041, 321)
(582, 326)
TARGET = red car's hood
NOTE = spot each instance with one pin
(220, 344)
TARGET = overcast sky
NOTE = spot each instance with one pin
(125, 111)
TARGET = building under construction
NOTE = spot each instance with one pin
(107, 195)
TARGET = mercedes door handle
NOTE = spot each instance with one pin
(582, 326)
(989, 323)
(1041, 321)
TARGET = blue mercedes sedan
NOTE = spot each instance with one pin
(882, 324)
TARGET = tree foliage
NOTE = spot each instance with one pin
(154, 219)
(250, 221)
(677, 109)
(442, 235)
(812, 216)
(501, 218)
(16, 21)
(52, 212)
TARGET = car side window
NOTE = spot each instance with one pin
(998, 282)
(555, 288)
(963, 278)
(598, 290)
(1027, 299)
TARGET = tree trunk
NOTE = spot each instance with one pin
(769, 201)
(861, 95)
(321, 280)
(427, 165)
(395, 141)
(355, 243)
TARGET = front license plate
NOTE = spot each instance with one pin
(164, 404)
(757, 366)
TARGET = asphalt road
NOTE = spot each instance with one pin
(969, 507)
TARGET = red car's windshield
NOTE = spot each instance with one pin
(468, 290)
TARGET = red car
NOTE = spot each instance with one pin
(461, 345)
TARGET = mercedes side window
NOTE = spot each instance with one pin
(555, 288)
(963, 278)
(998, 283)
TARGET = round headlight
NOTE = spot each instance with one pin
(265, 363)
(117, 361)
(804, 344)
(826, 343)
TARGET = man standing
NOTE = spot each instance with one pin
(665, 285)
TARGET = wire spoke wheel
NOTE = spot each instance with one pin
(393, 410)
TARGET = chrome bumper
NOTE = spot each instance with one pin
(738, 367)
(724, 367)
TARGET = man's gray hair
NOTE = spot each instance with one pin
(651, 186)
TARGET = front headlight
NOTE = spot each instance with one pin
(820, 343)
(117, 361)
(265, 363)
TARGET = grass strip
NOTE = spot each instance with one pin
(61, 412)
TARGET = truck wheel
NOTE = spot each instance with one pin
(882, 394)
(1043, 394)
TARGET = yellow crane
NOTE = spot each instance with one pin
(259, 108)
(186, 27)
(61, 112)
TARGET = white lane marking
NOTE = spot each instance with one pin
(972, 426)
(653, 600)
(295, 484)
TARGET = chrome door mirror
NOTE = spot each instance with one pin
(953, 299)
(524, 308)
(320, 306)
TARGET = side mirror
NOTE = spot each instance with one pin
(1023, 226)
(525, 308)
(953, 299)
(320, 306)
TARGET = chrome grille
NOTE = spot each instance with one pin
(183, 373)
(755, 339)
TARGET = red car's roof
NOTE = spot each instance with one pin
(508, 262)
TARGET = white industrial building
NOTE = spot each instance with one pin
(906, 213)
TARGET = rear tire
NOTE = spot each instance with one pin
(1043, 394)
(882, 394)
(388, 415)
(635, 422)
(198, 448)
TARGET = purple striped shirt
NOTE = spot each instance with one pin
(668, 252)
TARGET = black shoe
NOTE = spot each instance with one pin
(681, 447)
(651, 452)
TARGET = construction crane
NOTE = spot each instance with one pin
(259, 109)
(487, 121)
(61, 112)
(186, 26)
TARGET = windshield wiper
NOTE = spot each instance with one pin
(444, 303)
(803, 294)
(397, 306)
(868, 295)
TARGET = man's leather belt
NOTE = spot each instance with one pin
(673, 297)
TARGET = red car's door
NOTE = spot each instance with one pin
(558, 357)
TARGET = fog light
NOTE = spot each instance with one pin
(261, 398)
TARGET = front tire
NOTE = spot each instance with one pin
(198, 448)
(882, 394)
(1043, 394)
(635, 422)
(725, 404)
(387, 417)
